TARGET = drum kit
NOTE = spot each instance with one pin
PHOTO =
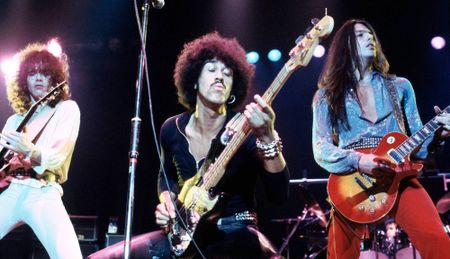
(306, 236)
(391, 243)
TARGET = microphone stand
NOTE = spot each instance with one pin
(135, 132)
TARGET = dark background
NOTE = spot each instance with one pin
(101, 40)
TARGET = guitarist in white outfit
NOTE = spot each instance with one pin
(31, 178)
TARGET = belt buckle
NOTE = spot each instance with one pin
(19, 173)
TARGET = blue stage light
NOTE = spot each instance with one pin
(252, 57)
(274, 55)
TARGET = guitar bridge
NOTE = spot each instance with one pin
(361, 184)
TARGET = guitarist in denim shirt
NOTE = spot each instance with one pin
(352, 109)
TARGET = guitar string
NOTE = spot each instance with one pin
(409, 145)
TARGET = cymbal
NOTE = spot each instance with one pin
(318, 212)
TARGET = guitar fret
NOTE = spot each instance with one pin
(403, 151)
(417, 138)
(421, 134)
(434, 124)
(413, 141)
(408, 146)
(426, 129)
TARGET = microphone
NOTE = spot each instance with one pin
(158, 4)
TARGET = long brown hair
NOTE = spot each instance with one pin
(338, 75)
(17, 87)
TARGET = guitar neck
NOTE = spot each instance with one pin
(217, 169)
(417, 138)
(277, 84)
(300, 55)
(242, 128)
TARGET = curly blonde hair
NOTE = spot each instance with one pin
(16, 85)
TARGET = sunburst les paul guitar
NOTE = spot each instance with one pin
(364, 199)
(196, 196)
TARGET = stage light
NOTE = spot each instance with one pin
(274, 55)
(438, 42)
(319, 51)
(10, 66)
(252, 57)
(54, 47)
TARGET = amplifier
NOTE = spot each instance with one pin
(85, 227)
(22, 243)
(111, 239)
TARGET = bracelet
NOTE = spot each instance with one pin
(357, 164)
(271, 150)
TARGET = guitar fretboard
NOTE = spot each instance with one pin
(242, 130)
(417, 138)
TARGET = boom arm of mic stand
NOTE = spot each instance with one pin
(135, 132)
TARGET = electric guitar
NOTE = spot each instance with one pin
(364, 199)
(196, 196)
(5, 154)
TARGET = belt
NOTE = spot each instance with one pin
(22, 173)
(245, 216)
(364, 143)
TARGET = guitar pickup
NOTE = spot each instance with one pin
(395, 156)
(361, 184)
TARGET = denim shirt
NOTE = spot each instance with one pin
(334, 158)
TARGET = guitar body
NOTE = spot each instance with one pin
(365, 199)
(200, 211)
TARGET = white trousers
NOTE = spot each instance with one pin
(42, 209)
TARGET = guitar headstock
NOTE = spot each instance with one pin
(51, 93)
(301, 54)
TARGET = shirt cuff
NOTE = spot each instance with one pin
(354, 157)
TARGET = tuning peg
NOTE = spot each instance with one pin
(314, 21)
(299, 38)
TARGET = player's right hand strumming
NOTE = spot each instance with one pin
(374, 165)
(165, 210)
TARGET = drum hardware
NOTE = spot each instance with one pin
(292, 231)
(312, 216)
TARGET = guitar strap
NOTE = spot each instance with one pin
(393, 96)
(47, 120)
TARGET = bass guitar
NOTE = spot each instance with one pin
(196, 196)
(364, 199)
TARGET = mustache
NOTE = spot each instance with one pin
(218, 81)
